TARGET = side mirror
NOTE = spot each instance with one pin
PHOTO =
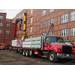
(46, 44)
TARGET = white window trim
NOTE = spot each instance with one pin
(65, 30)
(43, 12)
(52, 20)
(51, 10)
(65, 18)
(72, 31)
(72, 14)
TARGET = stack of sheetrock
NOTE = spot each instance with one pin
(14, 43)
(26, 45)
(32, 43)
(36, 42)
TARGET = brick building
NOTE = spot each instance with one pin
(6, 29)
(39, 20)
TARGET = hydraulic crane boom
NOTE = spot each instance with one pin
(16, 22)
(48, 31)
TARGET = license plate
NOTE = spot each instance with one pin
(67, 55)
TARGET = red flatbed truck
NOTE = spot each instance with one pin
(53, 46)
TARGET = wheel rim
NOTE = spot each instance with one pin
(51, 56)
(26, 53)
(23, 52)
(30, 53)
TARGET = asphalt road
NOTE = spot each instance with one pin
(12, 58)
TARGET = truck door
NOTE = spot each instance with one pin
(46, 43)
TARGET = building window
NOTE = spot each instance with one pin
(73, 16)
(43, 12)
(64, 32)
(0, 31)
(64, 18)
(7, 32)
(31, 11)
(31, 19)
(72, 31)
(44, 24)
(51, 21)
(1, 17)
(51, 33)
(51, 10)
(1, 24)
(31, 29)
(8, 25)
(20, 16)
(23, 15)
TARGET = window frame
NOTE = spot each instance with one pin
(8, 25)
(1, 31)
(7, 32)
(72, 15)
(44, 24)
(73, 32)
(1, 25)
(64, 18)
(51, 20)
(51, 10)
(65, 33)
(1, 17)
(44, 12)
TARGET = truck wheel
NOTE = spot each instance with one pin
(27, 53)
(30, 53)
(23, 53)
(53, 57)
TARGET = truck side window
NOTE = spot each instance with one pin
(47, 40)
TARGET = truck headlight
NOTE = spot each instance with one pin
(59, 49)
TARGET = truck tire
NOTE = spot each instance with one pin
(31, 53)
(27, 53)
(53, 57)
(23, 53)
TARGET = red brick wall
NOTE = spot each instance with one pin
(4, 28)
(38, 19)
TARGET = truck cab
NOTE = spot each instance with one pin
(57, 48)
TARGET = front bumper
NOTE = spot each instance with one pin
(66, 56)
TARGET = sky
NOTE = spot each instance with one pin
(11, 13)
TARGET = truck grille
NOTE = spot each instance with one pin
(67, 50)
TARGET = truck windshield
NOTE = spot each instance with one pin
(56, 39)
